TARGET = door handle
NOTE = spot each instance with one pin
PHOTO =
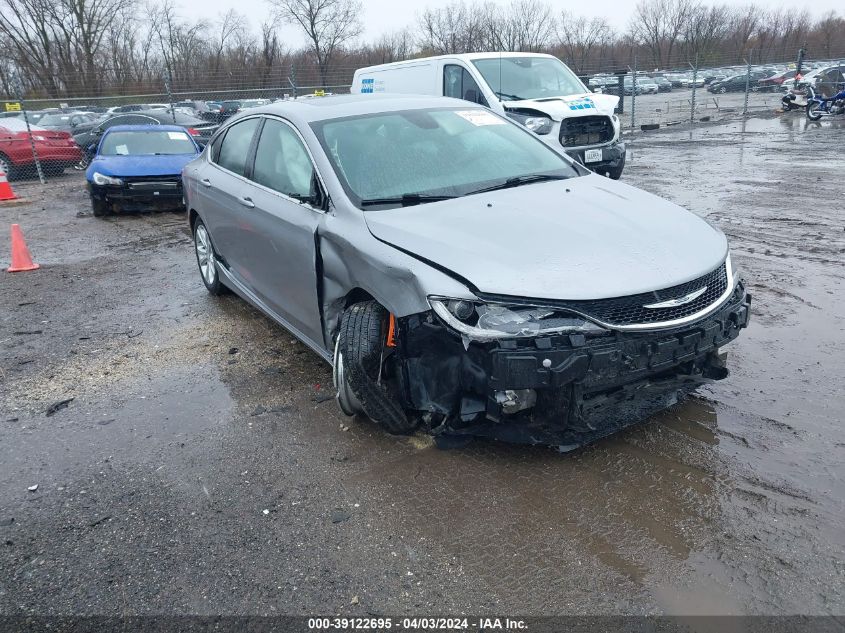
(206, 182)
(247, 202)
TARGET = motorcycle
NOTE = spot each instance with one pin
(818, 107)
(795, 99)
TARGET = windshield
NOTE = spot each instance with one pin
(152, 143)
(518, 78)
(56, 119)
(432, 152)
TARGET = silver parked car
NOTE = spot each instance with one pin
(461, 275)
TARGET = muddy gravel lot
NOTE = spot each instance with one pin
(201, 465)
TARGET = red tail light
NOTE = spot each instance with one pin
(193, 132)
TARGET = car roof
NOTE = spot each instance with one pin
(146, 128)
(335, 107)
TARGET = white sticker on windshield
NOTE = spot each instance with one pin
(177, 136)
(480, 117)
(121, 150)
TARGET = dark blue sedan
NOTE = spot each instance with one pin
(139, 168)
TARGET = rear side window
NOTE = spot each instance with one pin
(459, 84)
(281, 160)
(235, 146)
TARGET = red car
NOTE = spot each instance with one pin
(771, 83)
(56, 150)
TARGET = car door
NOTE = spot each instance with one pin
(276, 235)
(459, 84)
(223, 195)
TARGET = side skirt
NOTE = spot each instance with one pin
(249, 297)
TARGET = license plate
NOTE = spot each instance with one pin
(592, 156)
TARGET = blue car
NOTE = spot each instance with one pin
(139, 168)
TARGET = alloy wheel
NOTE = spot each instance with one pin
(205, 255)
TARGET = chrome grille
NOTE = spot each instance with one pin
(631, 310)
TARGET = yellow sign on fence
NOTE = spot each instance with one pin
(13, 106)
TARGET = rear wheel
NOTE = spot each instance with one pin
(813, 111)
(206, 260)
(6, 166)
(362, 369)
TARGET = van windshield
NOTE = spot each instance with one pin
(519, 78)
(393, 159)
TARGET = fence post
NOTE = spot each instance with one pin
(170, 99)
(292, 79)
(32, 143)
(694, 80)
(620, 90)
(633, 94)
(747, 84)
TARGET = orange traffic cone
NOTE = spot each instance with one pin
(21, 259)
(6, 192)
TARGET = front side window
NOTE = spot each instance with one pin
(459, 84)
(518, 78)
(235, 146)
(282, 162)
(432, 152)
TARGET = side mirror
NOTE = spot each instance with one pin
(318, 197)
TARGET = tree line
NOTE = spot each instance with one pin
(66, 48)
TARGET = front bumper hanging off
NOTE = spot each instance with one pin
(559, 389)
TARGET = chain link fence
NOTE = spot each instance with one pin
(45, 137)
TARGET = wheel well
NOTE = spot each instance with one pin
(357, 295)
(192, 217)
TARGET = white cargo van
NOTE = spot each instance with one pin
(537, 90)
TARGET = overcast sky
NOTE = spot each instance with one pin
(381, 16)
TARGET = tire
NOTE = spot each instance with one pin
(206, 260)
(813, 111)
(755, 88)
(723, 90)
(6, 166)
(100, 208)
(359, 352)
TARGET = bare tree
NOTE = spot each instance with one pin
(581, 39)
(704, 31)
(231, 25)
(658, 24)
(742, 25)
(328, 25)
(829, 28)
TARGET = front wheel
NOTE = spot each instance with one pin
(206, 260)
(100, 207)
(363, 372)
(813, 111)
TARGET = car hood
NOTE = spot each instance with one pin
(567, 107)
(128, 166)
(584, 238)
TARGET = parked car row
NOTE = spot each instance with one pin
(717, 80)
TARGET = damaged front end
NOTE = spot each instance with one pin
(551, 374)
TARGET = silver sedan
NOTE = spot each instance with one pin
(461, 275)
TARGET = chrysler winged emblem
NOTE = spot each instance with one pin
(678, 301)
